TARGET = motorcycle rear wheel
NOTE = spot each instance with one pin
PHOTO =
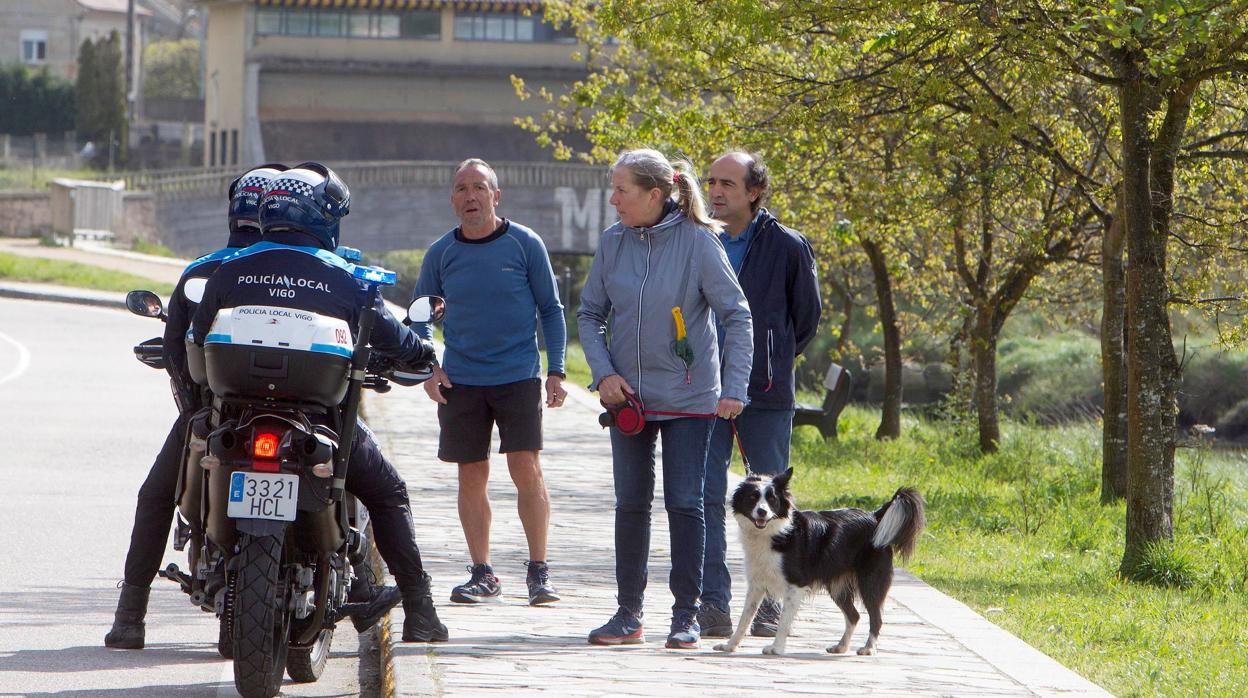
(261, 618)
(305, 664)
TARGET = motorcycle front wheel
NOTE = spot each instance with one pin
(261, 618)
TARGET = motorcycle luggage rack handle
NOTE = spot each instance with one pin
(266, 371)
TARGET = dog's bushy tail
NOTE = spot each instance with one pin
(901, 520)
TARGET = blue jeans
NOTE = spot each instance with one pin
(684, 459)
(765, 437)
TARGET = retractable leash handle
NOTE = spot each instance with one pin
(630, 418)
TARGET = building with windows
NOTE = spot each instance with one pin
(356, 80)
(48, 33)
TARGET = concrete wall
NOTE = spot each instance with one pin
(388, 218)
(25, 213)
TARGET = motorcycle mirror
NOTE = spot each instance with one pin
(426, 309)
(193, 289)
(144, 303)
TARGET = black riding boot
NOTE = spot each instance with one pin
(127, 632)
(365, 615)
(420, 618)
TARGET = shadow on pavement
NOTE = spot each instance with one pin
(96, 658)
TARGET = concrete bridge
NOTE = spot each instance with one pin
(396, 205)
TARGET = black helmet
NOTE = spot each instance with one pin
(307, 198)
(244, 196)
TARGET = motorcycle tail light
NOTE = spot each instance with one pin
(264, 444)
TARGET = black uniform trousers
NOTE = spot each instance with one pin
(370, 477)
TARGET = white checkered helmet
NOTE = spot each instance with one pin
(244, 195)
(308, 198)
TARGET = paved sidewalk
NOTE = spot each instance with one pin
(931, 644)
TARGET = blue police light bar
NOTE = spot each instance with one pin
(349, 253)
(375, 275)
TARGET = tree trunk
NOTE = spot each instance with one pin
(1152, 368)
(1113, 344)
(890, 420)
(984, 350)
(847, 308)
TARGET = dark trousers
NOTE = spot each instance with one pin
(633, 459)
(370, 477)
(154, 512)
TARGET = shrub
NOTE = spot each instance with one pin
(1213, 383)
(1165, 565)
(406, 264)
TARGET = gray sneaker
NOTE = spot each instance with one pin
(768, 618)
(715, 622)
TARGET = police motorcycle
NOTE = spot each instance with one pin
(261, 499)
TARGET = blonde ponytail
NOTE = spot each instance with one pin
(650, 169)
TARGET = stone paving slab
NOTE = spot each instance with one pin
(931, 645)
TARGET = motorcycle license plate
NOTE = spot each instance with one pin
(273, 496)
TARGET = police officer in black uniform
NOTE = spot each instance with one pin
(154, 512)
(294, 267)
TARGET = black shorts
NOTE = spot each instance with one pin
(468, 417)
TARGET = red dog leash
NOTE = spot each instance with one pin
(630, 418)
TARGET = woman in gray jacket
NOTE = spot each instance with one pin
(658, 275)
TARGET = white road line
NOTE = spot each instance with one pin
(23, 359)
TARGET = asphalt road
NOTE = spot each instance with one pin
(80, 421)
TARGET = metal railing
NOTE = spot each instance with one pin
(211, 181)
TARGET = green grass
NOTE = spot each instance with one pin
(39, 179)
(575, 366)
(144, 246)
(1021, 537)
(54, 271)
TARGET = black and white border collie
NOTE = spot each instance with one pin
(790, 554)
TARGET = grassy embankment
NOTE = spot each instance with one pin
(63, 273)
(1022, 538)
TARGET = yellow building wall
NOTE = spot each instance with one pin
(225, 53)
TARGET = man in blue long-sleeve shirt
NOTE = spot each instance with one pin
(497, 280)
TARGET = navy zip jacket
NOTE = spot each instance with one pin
(289, 270)
(182, 309)
(782, 286)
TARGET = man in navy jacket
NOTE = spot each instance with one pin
(776, 268)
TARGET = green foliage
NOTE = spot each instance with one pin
(1054, 379)
(405, 263)
(171, 69)
(77, 275)
(100, 90)
(1021, 537)
(34, 101)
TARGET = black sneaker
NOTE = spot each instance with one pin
(481, 588)
(768, 618)
(541, 591)
(715, 622)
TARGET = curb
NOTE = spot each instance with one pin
(60, 294)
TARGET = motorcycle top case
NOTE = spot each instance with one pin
(281, 353)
